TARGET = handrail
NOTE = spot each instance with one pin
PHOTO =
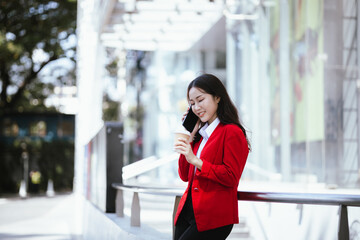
(276, 197)
(147, 164)
(135, 205)
(301, 198)
(342, 200)
(166, 191)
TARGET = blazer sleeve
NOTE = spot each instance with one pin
(235, 152)
(183, 168)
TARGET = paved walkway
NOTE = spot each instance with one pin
(58, 218)
(39, 217)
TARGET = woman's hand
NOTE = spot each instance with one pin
(183, 147)
(196, 128)
(184, 114)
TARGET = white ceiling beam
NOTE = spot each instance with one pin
(160, 24)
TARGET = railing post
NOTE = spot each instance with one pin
(176, 204)
(135, 211)
(343, 233)
(301, 208)
(119, 203)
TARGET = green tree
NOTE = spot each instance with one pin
(33, 34)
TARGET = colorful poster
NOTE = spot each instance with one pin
(306, 71)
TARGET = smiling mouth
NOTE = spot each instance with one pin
(201, 114)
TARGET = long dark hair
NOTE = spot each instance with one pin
(226, 111)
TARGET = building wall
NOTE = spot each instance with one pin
(90, 71)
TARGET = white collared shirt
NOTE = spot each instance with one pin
(206, 132)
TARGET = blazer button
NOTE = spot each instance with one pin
(196, 189)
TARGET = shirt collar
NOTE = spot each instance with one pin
(207, 129)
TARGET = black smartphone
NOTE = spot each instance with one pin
(190, 120)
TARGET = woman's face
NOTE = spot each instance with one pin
(204, 105)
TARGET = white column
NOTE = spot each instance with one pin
(245, 86)
(284, 91)
(89, 86)
(231, 65)
(358, 84)
(267, 150)
(253, 104)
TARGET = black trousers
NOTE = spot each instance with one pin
(186, 228)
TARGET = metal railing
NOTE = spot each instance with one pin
(341, 200)
(150, 163)
(147, 164)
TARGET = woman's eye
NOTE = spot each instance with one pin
(201, 100)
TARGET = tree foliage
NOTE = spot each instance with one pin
(33, 34)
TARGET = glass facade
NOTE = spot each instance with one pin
(296, 85)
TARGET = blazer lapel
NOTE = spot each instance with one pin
(212, 138)
(192, 167)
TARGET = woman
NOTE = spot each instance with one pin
(212, 163)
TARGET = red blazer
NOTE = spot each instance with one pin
(214, 188)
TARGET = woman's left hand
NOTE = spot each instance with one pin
(183, 147)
